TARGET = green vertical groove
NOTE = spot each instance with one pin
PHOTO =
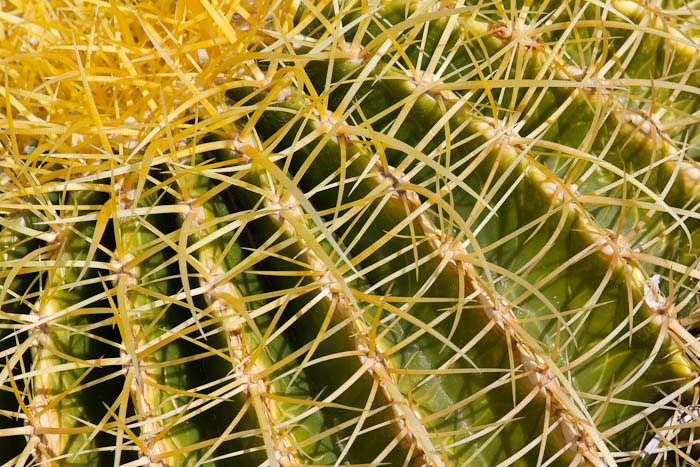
(296, 432)
(225, 302)
(170, 362)
(318, 318)
(64, 402)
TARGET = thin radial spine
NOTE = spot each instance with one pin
(297, 426)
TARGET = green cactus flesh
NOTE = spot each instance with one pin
(368, 233)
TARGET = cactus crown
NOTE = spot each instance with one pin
(405, 233)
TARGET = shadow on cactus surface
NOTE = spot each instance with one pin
(358, 233)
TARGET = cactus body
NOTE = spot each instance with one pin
(370, 233)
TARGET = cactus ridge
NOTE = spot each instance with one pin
(398, 233)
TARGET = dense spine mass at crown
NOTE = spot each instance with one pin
(298, 232)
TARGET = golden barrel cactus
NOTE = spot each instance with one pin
(360, 233)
